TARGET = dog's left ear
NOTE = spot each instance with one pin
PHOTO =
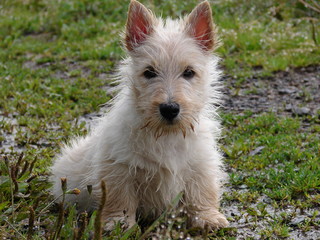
(139, 25)
(199, 25)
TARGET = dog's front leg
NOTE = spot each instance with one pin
(121, 200)
(202, 201)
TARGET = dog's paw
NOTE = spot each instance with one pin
(111, 223)
(213, 220)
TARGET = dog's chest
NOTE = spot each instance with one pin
(157, 190)
(169, 154)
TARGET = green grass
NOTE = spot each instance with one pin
(54, 59)
(286, 168)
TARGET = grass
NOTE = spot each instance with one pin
(287, 166)
(55, 57)
(277, 164)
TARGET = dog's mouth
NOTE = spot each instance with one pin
(170, 122)
(162, 127)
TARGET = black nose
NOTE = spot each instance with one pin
(169, 110)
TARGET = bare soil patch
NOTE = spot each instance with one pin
(292, 92)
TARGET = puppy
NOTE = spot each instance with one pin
(159, 138)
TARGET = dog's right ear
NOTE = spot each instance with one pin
(139, 25)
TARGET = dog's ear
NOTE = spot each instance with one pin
(199, 25)
(139, 25)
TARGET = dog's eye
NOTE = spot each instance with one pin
(150, 73)
(188, 73)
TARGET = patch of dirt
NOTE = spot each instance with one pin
(66, 70)
(293, 92)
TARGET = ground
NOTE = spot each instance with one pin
(55, 65)
(288, 93)
(293, 93)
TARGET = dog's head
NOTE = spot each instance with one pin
(171, 67)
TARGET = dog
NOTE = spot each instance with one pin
(160, 135)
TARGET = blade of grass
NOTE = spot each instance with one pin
(16, 230)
